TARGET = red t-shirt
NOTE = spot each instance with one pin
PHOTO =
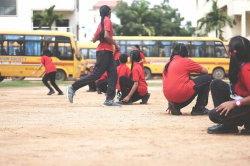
(142, 57)
(139, 76)
(177, 87)
(122, 70)
(48, 64)
(242, 87)
(104, 45)
(104, 76)
(117, 55)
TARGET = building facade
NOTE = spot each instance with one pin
(238, 10)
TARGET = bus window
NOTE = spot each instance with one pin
(122, 42)
(92, 53)
(220, 52)
(183, 42)
(33, 45)
(133, 42)
(64, 51)
(123, 49)
(84, 52)
(150, 48)
(209, 51)
(165, 51)
(197, 49)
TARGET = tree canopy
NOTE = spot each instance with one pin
(160, 20)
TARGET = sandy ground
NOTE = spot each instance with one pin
(41, 130)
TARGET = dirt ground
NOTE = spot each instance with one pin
(41, 130)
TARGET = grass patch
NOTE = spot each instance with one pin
(24, 83)
(154, 84)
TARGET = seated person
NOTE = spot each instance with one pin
(137, 47)
(122, 70)
(92, 87)
(102, 84)
(136, 88)
(178, 89)
(116, 56)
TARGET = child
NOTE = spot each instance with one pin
(116, 56)
(92, 87)
(135, 89)
(102, 84)
(122, 70)
(232, 101)
(104, 62)
(50, 70)
(137, 47)
(178, 89)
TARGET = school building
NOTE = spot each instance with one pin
(238, 10)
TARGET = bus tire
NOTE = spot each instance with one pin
(60, 75)
(17, 78)
(1, 78)
(218, 73)
(147, 73)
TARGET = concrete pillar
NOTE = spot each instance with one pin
(243, 24)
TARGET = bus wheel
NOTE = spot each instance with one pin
(1, 79)
(17, 78)
(218, 73)
(147, 73)
(60, 75)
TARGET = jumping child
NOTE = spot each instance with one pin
(104, 60)
(137, 47)
(50, 70)
(136, 88)
(178, 89)
(232, 101)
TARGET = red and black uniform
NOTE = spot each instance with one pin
(179, 89)
(102, 83)
(116, 57)
(126, 83)
(142, 57)
(122, 70)
(221, 93)
(104, 62)
(50, 71)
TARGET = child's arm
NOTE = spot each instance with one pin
(33, 73)
(204, 71)
(134, 88)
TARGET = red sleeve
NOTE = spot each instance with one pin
(128, 72)
(43, 60)
(107, 25)
(193, 66)
(136, 75)
(245, 77)
(142, 55)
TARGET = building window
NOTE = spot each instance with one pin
(64, 23)
(8, 7)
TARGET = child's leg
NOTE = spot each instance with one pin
(52, 81)
(102, 85)
(45, 82)
(112, 77)
(92, 87)
(125, 85)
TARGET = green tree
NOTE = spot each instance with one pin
(47, 17)
(215, 20)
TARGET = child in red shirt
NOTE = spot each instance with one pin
(50, 70)
(102, 84)
(136, 88)
(122, 70)
(178, 89)
(137, 47)
(232, 101)
(116, 56)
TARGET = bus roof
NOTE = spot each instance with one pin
(36, 32)
(174, 38)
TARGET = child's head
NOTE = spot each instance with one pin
(239, 51)
(136, 47)
(135, 56)
(46, 51)
(123, 58)
(180, 49)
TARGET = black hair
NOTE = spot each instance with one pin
(138, 47)
(239, 47)
(178, 49)
(123, 58)
(135, 57)
(104, 11)
(46, 51)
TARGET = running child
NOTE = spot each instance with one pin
(136, 88)
(122, 70)
(137, 47)
(50, 71)
(104, 60)
(178, 89)
(232, 101)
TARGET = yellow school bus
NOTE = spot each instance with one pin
(226, 44)
(20, 53)
(209, 52)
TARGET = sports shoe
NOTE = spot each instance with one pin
(125, 103)
(222, 129)
(145, 98)
(51, 92)
(173, 110)
(98, 91)
(60, 93)
(199, 111)
(111, 103)
(70, 93)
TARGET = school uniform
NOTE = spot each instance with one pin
(50, 73)
(126, 84)
(179, 89)
(104, 62)
(102, 83)
(122, 70)
(116, 57)
(221, 93)
(142, 57)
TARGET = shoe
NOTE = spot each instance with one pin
(124, 103)
(60, 93)
(98, 91)
(222, 129)
(197, 111)
(245, 131)
(111, 103)
(173, 110)
(70, 93)
(145, 98)
(90, 90)
(51, 92)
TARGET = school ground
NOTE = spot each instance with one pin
(41, 130)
